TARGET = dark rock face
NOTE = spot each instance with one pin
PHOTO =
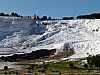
(5, 67)
(43, 53)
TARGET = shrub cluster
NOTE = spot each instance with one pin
(94, 60)
(12, 14)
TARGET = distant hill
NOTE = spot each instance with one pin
(91, 16)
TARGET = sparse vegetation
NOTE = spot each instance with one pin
(60, 67)
(68, 51)
(44, 18)
(14, 14)
(94, 61)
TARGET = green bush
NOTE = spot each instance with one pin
(68, 52)
(94, 60)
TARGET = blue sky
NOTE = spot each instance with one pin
(55, 8)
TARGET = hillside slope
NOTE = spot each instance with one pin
(82, 35)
